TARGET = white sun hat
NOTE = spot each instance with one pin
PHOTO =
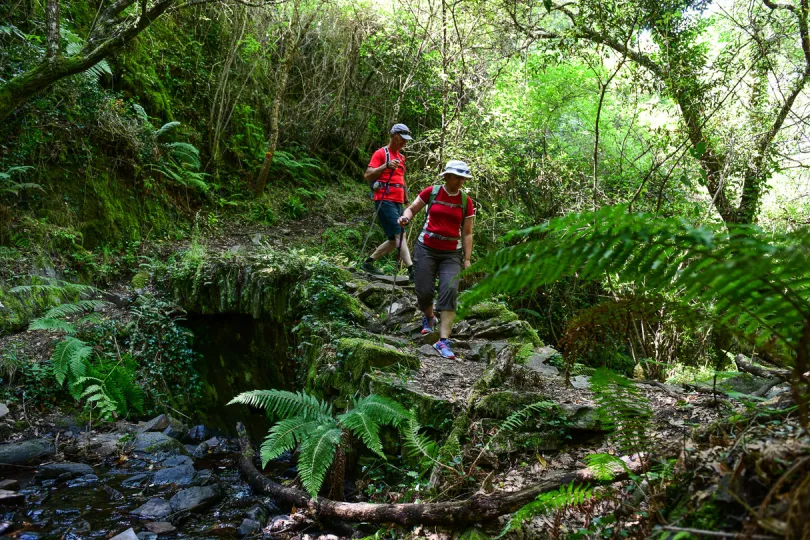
(459, 168)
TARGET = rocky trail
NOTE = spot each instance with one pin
(164, 479)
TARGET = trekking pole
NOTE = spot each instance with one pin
(396, 269)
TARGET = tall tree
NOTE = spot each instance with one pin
(669, 43)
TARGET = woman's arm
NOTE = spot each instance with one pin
(409, 213)
(466, 240)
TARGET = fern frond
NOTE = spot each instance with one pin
(568, 495)
(731, 273)
(81, 306)
(415, 443)
(604, 466)
(286, 435)
(185, 153)
(284, 404)
(518, 418)
(317, 453)
(165, 128)
(364, 427)
(44, 323)
(383, 410)
(622, 409)
(69, 357)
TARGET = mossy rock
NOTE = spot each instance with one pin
(516, 332)
(429, 409)
(501, 404)
(354, 357)
(491, 311)
(18, 309)
(374, 295)
(505, 444)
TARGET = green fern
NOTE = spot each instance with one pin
(419, 445)
(604, 466)
(284, 404)
(569, 495)
(518, 418)
(308, 424)
(756, 285)
(623, 409)
(70, 358)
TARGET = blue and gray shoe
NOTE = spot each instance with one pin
(429, 326)
(443, 346)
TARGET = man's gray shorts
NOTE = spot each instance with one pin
(429, 263)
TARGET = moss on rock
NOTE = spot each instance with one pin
(18, 309)
(501, 404)
(429, 409)
(491, 311)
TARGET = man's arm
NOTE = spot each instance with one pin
(373, 173)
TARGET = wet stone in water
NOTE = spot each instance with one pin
(160, 527)
(136, 481)
(248, 526)
(83, 481)
(183, 475)
(153, 509)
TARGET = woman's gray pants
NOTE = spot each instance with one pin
(428, 263)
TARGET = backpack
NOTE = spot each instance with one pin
(390, 176)
(433, 193)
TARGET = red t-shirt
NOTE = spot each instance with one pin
(444, 220)
(394, 193)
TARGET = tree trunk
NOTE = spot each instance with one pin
(52, 22)
(476, 509)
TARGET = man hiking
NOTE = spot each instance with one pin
(386, 170)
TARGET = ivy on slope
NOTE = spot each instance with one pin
(757, 285)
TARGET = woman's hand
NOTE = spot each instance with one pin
(466, 264)
(403, 221)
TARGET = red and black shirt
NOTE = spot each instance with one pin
(396, 182)
(444, 220)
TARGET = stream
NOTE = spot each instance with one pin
(204, 497)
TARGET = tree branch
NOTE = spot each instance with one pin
(476, 509)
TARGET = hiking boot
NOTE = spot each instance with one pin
(443, 346)
(429, 326)
(369, 267)
(411, 277)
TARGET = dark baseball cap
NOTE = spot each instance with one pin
(402, 130)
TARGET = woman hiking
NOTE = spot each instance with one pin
(443, 248)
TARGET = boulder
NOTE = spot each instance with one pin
(24, 451)
(520, 330)
(10, 484)
(176, 429)
(195, 498)
(63, 471)
(160, 527)
(153, 442)
(11, 498)
(374, 295)
(175, 461)
(354, 358)
(158, 423)
(128, 534)
(182, 475)
(248, 526)
(155, 508)
(536, 363)
(491, 311)
(3, 410)
(582, 418)
(581, 382)
(139, 480)
(200, 450)
(500, 405)
(199, 433)
(258, 513)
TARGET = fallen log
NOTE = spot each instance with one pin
(744, 364)
(476, 509)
